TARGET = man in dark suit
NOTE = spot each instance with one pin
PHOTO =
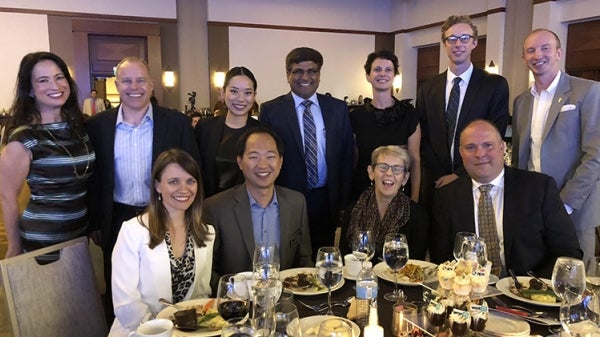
(326, 187)
(258, 212)
(478, 95)
(532, 226)
(127, 139)
(560, 114)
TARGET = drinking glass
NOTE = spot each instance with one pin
(266, 260)
(592, 275)
(568, 280)
(363, 246)
(335, 327)
(395, 255)
(329, 270)
(233, 296)
(474, 250)
(237, 327)
(266, 291)
(458, 243)
(287, 320)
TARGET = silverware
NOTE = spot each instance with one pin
(518, 284)
(532, 274)
(324, 306)
(165, 301)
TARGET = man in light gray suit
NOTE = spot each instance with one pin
(257, 211)
(556, 130)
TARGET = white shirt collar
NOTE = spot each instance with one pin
(551, 88)
(298, 100)
(496, 182)
(465, 77)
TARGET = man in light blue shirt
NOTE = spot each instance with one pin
(258, 211)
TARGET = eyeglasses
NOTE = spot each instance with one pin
(396, 169)
(300, 72)
(463, 38)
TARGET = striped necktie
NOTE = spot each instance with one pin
(310, 146)
(487, 227)
(452, 111)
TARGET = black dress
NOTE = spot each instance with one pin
(374, 127)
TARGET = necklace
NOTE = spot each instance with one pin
(87, 151)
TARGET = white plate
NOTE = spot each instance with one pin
(504, 286)
(168, 312)
(294, 271)
(383, 271)
(347, 276)
(493, 279)
(314, 321)
(501, 324)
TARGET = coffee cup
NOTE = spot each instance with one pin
(353, 265)
(154, 328)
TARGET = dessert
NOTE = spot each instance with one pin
(479, 316)
(436, 313)
(446, 274)
(459, 322)
(448, 303)
(462, 285)
(480, 276)
(185, 318)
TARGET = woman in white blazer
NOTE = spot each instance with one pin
(167, 251)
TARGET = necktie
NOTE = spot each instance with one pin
(310, 146)
(452, 111)
(487, 228)
(93, 106)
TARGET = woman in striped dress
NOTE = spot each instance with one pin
(47, 146)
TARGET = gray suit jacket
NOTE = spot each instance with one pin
(229, 213)
(571, 144)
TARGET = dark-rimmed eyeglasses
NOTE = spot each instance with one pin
(312, 72)
(396, 169)
(453, 38)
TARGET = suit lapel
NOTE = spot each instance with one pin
(470, 96)
(559, 99)
(289, 109)
(466, 207)
(508, 214)
(243, 217)
(158, 130)
(437, 116)
(284, 229)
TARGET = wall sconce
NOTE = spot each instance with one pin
(491, 68)
(397, 82)
(168, 79)
(219, 78)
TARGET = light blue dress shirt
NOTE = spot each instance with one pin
(265, 221)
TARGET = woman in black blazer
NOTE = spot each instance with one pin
(217, 137)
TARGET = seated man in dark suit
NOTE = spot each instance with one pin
(257, 211)
(522, 209)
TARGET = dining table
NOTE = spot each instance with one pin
(414, 294)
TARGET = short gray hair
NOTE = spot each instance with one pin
(392, 150)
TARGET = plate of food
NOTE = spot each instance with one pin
(208, 320)
(533, 291)
(310, 325)
(415, 272)
(304, 281)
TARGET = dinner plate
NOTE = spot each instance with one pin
(309, 292)
(309, 322)
(383, 271)
(168, 312)
(504, 286)
(501, 324)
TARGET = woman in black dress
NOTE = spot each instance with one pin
(385, 121)
(217, 137)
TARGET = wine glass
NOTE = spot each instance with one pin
(266, 260)
(233, 296)
(237, 327)
(329, 270)
(287, 320)
(335, 327)
(395, 255)
(363, 246)
(458, 243)
(474, 249)
(568, 280)
(592, 275)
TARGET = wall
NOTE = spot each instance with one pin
(143, 8)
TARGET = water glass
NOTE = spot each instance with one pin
(329, 270)
(474, 249)
(395, 255)
(592, 275)
(287, 320)
(237, 327)
(363, 245)
(458, 243)
(266, 260)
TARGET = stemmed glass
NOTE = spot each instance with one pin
(458, 243)
(233, 296)
(592, 275)
(266, 260)
(287, 320)
(474, 249)
(395, 255)
(363, 246)
(568, 280)
(329, 270)
(335, 327)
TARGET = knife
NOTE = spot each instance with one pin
(526, 316)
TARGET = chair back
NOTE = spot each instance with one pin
(56, 299)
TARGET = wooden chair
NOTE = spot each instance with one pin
(56, 299)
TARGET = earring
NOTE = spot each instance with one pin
(372, 182)
(159, 196)
(402, 188)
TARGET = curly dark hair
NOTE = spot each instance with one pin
(381, 54)
(24, 110)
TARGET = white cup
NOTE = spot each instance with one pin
(154, 328)
(353, 265)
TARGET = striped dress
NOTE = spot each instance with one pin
(60, 168)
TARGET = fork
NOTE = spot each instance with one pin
(323, 306)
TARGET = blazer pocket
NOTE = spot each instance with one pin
(567, 107)
(295, 238)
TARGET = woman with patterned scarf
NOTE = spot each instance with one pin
(382, 208)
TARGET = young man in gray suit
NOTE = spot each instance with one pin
(556, 131)
(257, 211)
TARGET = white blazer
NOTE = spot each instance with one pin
(140, 276)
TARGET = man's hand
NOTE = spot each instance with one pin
(444, 180)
